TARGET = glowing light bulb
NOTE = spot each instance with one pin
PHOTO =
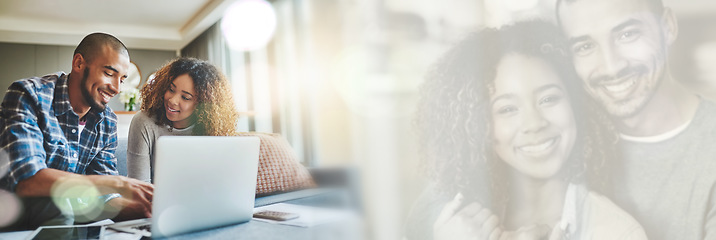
(248, 24)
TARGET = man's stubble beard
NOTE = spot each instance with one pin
(94, 105)
(623, 110)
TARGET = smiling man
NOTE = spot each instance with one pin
(59, 134)
(666, 177)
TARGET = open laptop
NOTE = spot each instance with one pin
(200, 182)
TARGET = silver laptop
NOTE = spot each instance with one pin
(200, 182)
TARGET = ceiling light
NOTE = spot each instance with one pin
(248, 24)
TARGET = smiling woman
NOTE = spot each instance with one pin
(187, 97)
(533, 123)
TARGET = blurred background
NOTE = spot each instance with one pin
(338, 78)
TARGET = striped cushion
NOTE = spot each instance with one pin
(279, 168)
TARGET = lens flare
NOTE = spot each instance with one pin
(11, 208)
(166, 216)
(248, 24)
(11, 205)
(79, 196)
(4, 163)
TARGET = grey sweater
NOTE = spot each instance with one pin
(143, 133)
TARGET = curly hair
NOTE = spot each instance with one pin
(454, 122)
(215, 112)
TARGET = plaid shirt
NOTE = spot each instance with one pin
(40, 130)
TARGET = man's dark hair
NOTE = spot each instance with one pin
(92, 44)
(656, 6)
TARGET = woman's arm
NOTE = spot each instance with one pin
(139, 145)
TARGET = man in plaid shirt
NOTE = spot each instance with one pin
(59, 135)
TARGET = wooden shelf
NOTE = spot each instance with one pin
(125, 112)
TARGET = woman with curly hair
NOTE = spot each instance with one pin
(188, 96)
(513, 145)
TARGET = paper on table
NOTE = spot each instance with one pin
(110, 234)
(308, 216)
(100, 223)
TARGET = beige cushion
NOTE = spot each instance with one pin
(279, 168)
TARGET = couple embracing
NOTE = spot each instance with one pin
(574, 130)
